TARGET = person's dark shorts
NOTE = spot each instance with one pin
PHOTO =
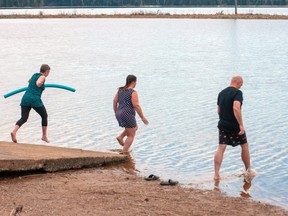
(232, 139)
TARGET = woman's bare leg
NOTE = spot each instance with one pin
(24, 117)
(130, 137)
(121, 137)
(44, 134)
(13, 133)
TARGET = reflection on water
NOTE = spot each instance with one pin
(243, 193)
(128, 166)
(181, 65)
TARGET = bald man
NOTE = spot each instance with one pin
(231, 127)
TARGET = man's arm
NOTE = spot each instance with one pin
(238, 115)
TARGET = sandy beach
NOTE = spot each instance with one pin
(101, 191)
(153, 16)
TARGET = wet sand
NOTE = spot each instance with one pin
(154, 16)
(102, 191)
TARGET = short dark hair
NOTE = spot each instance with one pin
(44, 67)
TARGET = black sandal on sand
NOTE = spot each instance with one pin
(151, 177)
(169, 182)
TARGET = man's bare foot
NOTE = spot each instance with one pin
(216, 184)
(124, 153)
(216, 177)
(120, 141)
(249, 175)
(13, 137)
(44, 138)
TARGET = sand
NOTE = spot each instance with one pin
(99, 191)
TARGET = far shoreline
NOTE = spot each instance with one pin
(152, 16)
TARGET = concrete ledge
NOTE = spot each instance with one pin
(28, 157)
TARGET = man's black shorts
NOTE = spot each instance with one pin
(232, 139)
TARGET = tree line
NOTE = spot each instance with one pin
(134, 3)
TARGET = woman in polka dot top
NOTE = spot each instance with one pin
(125, 103)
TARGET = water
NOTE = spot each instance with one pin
(147, 10)
(181, 66)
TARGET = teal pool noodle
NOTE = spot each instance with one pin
(46, 85)
(15, 92)
(60, 86)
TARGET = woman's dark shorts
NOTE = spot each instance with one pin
(232, 139)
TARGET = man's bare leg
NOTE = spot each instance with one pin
(249, 174)
(218, 158)
(245, 155)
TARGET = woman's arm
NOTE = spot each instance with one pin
(115, 102)
(40, 81)
(138, 108)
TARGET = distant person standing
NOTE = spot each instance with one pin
(124, 104)
(32, 99)
(231, 127)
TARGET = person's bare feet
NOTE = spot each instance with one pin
(249, 175)
(44, 138)
(216, 177)
(216, 184)
(13, 137)
(124, 152)
(120, 141)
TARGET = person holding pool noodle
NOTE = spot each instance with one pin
(32, 99)
(45, 85)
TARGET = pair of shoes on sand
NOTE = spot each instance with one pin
(249, 175)
(169, 182)
(163, 183)
(151, 177)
